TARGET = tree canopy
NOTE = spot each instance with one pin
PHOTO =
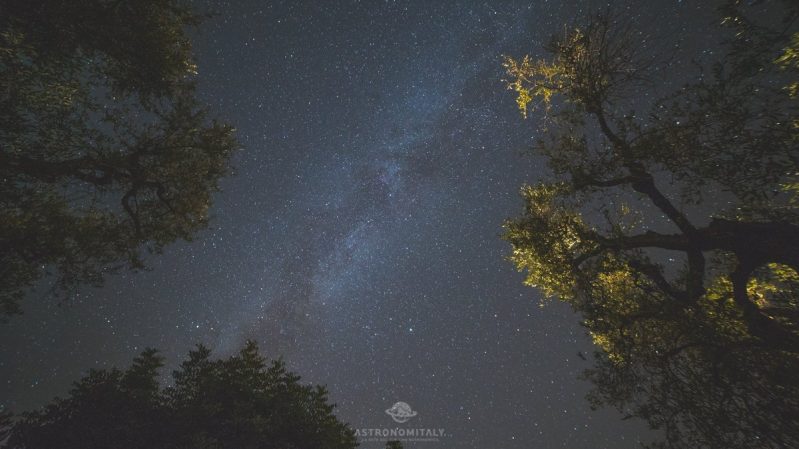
(671, 224)
(104, 150)
(240, 402)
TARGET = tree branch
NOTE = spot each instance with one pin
(83, 168)
(134, 215)
(581, 180)
(655, 274)
(645, 183)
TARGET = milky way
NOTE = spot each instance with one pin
(359, 235)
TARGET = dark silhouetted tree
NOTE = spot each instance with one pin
(240, 402)
(104, 151)
(674, 230)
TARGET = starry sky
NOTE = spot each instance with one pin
(359, 235)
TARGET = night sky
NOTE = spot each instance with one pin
(359, 235)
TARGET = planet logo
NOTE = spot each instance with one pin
(400, 412)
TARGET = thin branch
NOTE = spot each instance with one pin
(134, 215)
(655, 274)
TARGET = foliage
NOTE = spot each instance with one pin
(104, 151)
(240, 402)
(673, 230)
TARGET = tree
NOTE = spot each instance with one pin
(240, 402)
(673, 230)
(393, 445)
(104, 150)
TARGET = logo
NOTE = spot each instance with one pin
(401, 412)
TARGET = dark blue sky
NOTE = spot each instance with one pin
(359, 235)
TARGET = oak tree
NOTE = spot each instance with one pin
(671, 224)
(105, 153)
